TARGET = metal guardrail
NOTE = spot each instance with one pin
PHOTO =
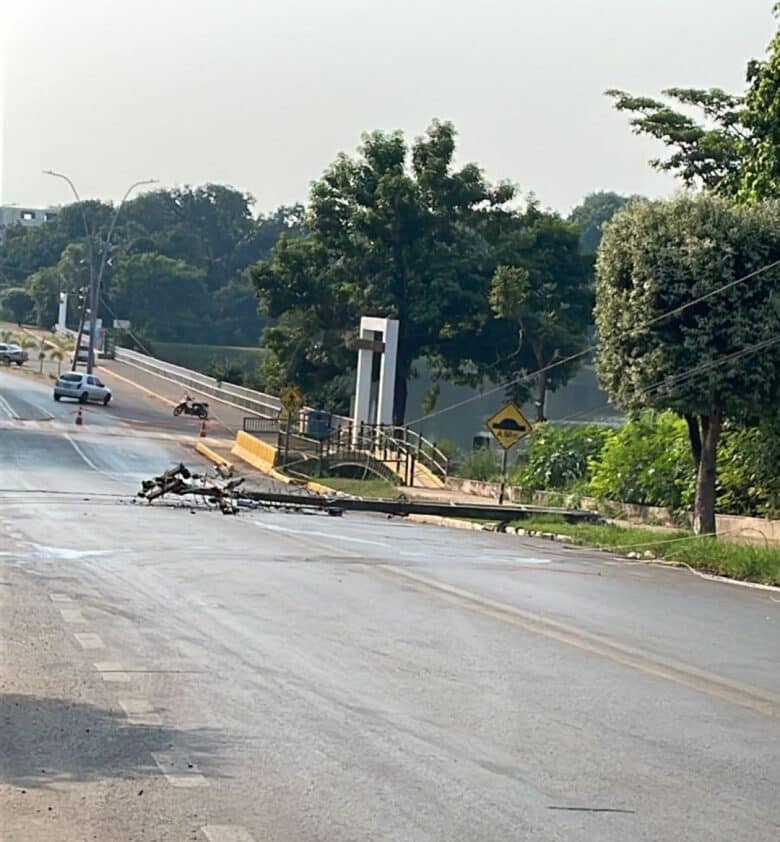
(259, 403)
(396, 443)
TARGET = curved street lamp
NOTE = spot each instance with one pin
(95, 290)
(94, 283)
(90, 254)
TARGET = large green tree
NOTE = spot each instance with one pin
(164, 298)
(17, 302)
(662, 347)
(733, 149)
(392, 232)
(542, 290)
(595, 210)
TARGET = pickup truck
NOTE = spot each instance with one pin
(12, 353)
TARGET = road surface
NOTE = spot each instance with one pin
(173, 674)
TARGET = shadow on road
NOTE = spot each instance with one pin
(49, 740)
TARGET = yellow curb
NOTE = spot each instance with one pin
(259, 464)
(213, 456)
(319, 488)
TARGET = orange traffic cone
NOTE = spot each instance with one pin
(203, 429)
(79, 419)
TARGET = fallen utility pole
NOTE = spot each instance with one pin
(476, 511)
(229, 497)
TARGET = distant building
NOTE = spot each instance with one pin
(11, 215)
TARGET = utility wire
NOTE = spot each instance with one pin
(591, 348)
(678, 379)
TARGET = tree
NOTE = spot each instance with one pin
(392, 232)
(594, 212)
(716, 359)
(18, 303)
(164, 298)
(43, 287)
(735, 150)
(544, 293)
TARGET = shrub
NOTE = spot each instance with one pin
(647, 461)
(559, 456)
(748, 480)
(483, 464)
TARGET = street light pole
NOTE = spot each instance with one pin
(95, 290)
(94, 283)
(90, 255)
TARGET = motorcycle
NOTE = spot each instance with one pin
(190, 407)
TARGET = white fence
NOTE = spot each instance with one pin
(254, 402)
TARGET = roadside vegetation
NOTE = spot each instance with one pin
(647, 462)
(372, 487)
(704, 553)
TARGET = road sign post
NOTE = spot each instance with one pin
(508, 426)
(292, 401)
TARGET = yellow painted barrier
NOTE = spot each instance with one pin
(213, 456)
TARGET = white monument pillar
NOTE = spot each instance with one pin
(62, 313)
(368, 345)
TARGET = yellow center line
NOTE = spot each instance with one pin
(717, 686)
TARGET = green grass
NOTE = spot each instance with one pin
(745, 562)
(373, 487)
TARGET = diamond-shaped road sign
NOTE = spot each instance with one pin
(509, 425)
(291, 399)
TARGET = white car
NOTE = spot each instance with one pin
(10, 352)
(81, 386)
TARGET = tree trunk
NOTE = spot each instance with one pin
(402, 368)
(704, 505)
(694, 436)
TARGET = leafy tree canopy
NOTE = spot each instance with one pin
(734, 148)
(716, 359)
(393, 232)
(210, 229)
(592, 214)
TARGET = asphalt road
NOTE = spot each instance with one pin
(173, 674)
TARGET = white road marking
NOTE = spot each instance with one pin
(112, 671)
(84, 455)
(178, 771)
(72, 615)
(89, 640)
(7, 408)
(313, 533)
(140, 712)
(59, 597)
(227, 833)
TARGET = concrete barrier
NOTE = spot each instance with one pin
(213, 456)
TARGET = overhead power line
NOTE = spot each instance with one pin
(585, 351)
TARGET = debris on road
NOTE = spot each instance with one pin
(214, 490)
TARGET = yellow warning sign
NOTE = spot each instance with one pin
(509, 425)
(291, 399)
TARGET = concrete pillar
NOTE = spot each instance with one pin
(369, 345)
(384, 410)
(62, 313)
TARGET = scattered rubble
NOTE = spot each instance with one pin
(214, 490)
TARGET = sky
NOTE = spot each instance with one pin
(263, 94)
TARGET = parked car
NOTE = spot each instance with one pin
(81, 386)
(10, 352)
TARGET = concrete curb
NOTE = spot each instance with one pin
(559, 538)
(213, 456)
(455, 523)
